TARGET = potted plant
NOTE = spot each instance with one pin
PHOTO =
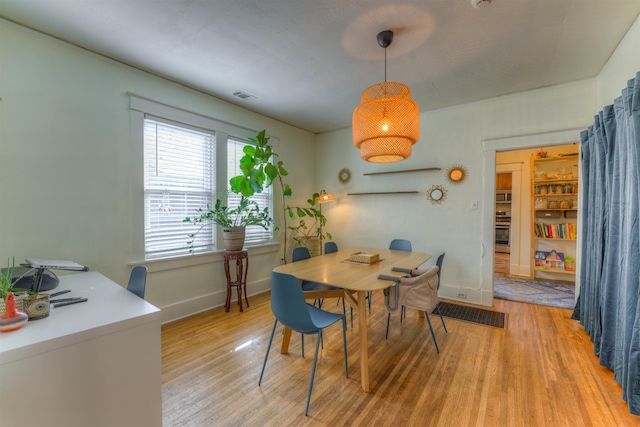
(310, 235)
(260, 172)
(7, 285)
(232, 220)
(569, 263)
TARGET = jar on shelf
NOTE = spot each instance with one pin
(559, 189)
(567, 189)
(553, 204)
(574, 188)
(543, 190)
(536, 189)
(565, 204)
(541, 204)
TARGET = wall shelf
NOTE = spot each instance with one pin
(403, 171)
(383, 192)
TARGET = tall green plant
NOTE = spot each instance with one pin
(259, 171)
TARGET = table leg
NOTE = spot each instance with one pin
(285, 341)
(239, 280)
(364, 342)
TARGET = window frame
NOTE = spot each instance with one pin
(139, 108)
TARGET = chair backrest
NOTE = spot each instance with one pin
(138, 280)
(421, 291)
(330, 247)
(400, 245)
(300, 253)
(288, 303)
(439, 264)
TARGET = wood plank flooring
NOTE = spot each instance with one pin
(539, 372)
(501, 262)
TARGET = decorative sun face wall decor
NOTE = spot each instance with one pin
(344, 176)
(436, 194)
(456, 174)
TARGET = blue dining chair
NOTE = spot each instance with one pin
(400, 245)
(138, 280)
(290, 309)
(302, 253)
(330, 247)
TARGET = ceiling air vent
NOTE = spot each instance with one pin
(243, 95)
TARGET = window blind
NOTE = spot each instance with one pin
(179, 171)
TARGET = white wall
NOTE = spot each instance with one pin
(622, 66)
(66, 163)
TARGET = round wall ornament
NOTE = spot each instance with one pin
(456, 174)
(436, 194)
(344, 175)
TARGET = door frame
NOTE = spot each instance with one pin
(490, 147)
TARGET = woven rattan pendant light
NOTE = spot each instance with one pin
(386, 124)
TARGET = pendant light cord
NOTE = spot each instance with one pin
(385, 64)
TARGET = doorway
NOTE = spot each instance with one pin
(490, 149)
(513, 271)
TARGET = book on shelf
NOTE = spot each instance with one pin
(555, 231)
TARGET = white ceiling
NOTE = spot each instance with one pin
(306, 62)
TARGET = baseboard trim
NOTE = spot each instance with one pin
(186, 308)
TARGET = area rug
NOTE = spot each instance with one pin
(480, 316)
(541, 292)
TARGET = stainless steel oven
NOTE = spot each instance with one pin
(503, 232)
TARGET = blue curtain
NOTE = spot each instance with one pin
(608, 306)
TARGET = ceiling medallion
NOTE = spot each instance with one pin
(344, 176)
(436, 194)
(456, 174)
(386, 124)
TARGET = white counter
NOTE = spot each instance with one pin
(97, 363)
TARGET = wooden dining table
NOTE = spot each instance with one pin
(357, 279)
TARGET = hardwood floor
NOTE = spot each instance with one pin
(541, 371)
(501, 262)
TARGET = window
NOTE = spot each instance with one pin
(188, 160)
(179, 170)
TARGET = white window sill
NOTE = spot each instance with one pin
(191, 260)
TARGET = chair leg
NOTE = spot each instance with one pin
(441, 318)
(403, 313)
(344, 343)
(313, 371)
(273, 331)
(351, 317)
(388, 319)
(370, 296)
(302, 336)
(431, 329)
